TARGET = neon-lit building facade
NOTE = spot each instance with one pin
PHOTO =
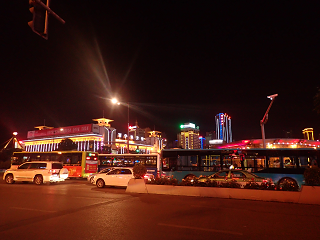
(223, 127)
(89, 137)
(270, 143)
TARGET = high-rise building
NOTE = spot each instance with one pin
(223, 127)
(189, 136)
(137, 133)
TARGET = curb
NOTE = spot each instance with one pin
(307, 195)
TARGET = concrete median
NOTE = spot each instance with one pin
(307, 195)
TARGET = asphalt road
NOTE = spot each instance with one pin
(76, 209)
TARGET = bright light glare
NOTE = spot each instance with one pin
(115, 101)
(15, 133)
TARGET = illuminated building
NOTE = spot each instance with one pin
(270, 143)
(223, 127)
(138, 133)
(189, 136)
(308, 133)
(88, 137)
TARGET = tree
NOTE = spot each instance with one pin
(316, 101)
(67, 144)
(139, 171)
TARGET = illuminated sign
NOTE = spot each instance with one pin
(86, 128)
(216, 141)
(189, 125)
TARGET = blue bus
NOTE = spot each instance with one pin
(280, 165)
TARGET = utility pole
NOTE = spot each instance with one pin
(41, 10)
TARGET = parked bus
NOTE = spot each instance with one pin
(151, 161)
(78, 163)
(279, 165)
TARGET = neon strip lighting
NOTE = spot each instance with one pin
(62, 137)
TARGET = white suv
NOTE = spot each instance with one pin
(38, 172)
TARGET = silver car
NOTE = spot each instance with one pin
(119, 176)
(240, 176)
(91, 175)
(37, 172)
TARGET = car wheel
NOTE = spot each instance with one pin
(9, 179)
(38, 179)
(100, 183)
(189, 177)
(91, 180)
(288, 181)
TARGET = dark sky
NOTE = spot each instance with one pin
(174, 61)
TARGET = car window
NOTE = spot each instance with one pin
(221, 174)
(125, 171)
(24, 166)
(115, 171)
(57, 166)
(238, 174)
(42, 166)
(38, 166)
(33, 166)
(105, 170)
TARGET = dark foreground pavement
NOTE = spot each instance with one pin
(77, 210)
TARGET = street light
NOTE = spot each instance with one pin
(265, 119)
(54, 135)
(115, 101)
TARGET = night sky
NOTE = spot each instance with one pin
(174, 61)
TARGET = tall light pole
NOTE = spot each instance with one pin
(265, 119)
(54, 135)
(115, 101)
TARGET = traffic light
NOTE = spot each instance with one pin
(39, 23)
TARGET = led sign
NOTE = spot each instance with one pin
(189, 125)
(216, 141)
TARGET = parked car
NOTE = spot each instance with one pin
(148, 176)
(91, 175)
(240, 176)
(38, 172)
(119, 176)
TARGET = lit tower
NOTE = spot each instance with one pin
(189, 136)
(223, 127)
(109, 133)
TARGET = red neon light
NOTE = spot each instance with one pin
(56, 131)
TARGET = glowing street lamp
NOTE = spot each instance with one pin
(265, 119)
(54, 135)
(115, 101)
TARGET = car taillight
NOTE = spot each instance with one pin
(53, 171)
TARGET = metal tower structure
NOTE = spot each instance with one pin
(223, 127)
